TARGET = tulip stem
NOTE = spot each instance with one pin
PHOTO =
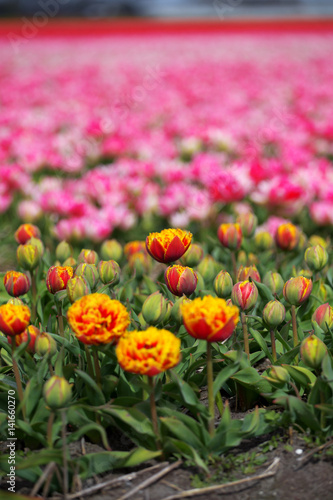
(17, 377)
(295, 334)
(89, 362)
(60, 320)
(154, 412)
(33, 297)
(49, 430)
(97, 368)
(234, 265)
(211, 402)
(273, 345)
(64, 453)
(245, 335)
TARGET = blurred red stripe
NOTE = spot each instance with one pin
(88, 27)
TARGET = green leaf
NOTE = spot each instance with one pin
(250, 378)
(301, 375)
(75, 436)
(188, 452)
(32, 395)
(182, 432)
(300, 412)
(188, 394)
(288, 357)
(98, 397)
(261, 342)
(264, 291)
(42, 457)
(132, 419)
(223, 376)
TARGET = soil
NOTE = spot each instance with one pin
(298, 476)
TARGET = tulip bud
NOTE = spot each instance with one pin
(287, 236)
(263, 241)
(278, 376)
(325, 292)
(180, 280)
(89, 272)
(316, 257)
(318, 240)
(248, 223)
(154, 308)
(57, 392)
(57, 278)
(38, 243)
(303, 272)
(70, 262)
(244, 295)
(274, 282)
(244, 273)
(207, 268)
(242, 258)
(297, 290)
(134, 247)
(301, 242)
(45, 345)
(313, 351)
(252, 259)
(323, 316)
(88, 256)
(201, 282)
(176, 312)
(30, 333)
(76, 288)
(28, 256)
(25, 232)
(16, 284)
(223, 284)
(274, 313)
(193, 255)
(112, 250)
(140, 262)
(15, 301)
(64, 251)
(109, 271)
(230, 236)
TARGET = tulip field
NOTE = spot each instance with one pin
(166, 279)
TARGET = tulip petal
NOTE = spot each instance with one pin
(175, 250)
(156, 250)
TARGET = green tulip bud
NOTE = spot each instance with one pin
(57, 392)
(263, 241)
(207, 268)
(28, 256)
(45, 345)
(248, 223)
(111, 250)
(155, 308)
(109, 271)
(176, 313)
(223, 284)
(192, 256)
(76, 288)
(316, 257)
(313, 351)
(274, 313)
(278, 376)
(64, 251)
(89, 272)
(38, 243)
(274, 282)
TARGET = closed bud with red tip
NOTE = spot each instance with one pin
(230, 236)
(180, 280)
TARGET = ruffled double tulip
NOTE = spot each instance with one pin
(96, 319)
(209, 318)
(148, 352)
(297, 290)
(323, 316)
(230, 235)
(287, 236)
(16, 283)
(14, 319)
(244, 295)
(168, 245)
(57, 278)
(25, 232)
(180, 280)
